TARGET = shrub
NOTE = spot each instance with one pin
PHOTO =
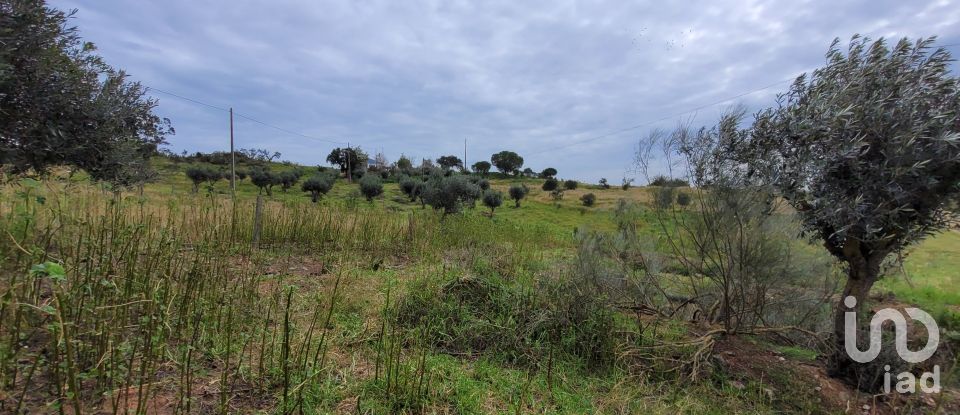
(288, 178)
(570, 184)
(588, 199)
(663, 197)
(664, 181)
(683, 199)
(492, 199)
(548, 172)
(550, 185)
(517, 324)
(197, 175)
(264, 180)
(449, 193)
(371, 186)
(626, 183)
(241, 174)
(409, 186)
(317, 185)
(518, 192)
(604, 184)
(484, 184)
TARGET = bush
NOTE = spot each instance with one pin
(288, 178)
(588, 199)
(264, 180)
(550, 185)
(570, 184)
(492, 199)
(548, 172)
(469, 315)
(518, 192)
(663, 197)
(199, 175)
(318, 185)
(664, 181)
(683, 199)
(484, 184)
(604, 184)
(409, 186)
(449, 193)
(626, 183)
(371, 186)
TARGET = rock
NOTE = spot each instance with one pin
(782, 359)
(818, 389)
(866, 407)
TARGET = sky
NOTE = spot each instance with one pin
(566, 84)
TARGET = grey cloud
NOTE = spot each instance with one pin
(417, 77)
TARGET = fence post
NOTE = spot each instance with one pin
(257, 219)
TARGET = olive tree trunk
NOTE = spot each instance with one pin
(862, 273)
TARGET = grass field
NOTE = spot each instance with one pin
(162, 305)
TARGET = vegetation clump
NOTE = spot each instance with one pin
(317, 186)
(371, 186)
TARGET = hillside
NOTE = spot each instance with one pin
(384, 306)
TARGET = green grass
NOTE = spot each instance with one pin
(932, 275)
(218, 303)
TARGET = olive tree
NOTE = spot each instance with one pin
(62, 104)
(492, 199)
(548, 172)
(371, 186)
(449, 193)
(264, 180)
(517, 193)
(317, 185)
(867, 150)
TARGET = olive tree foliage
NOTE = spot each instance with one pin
(371, 186)
(867, 150)
(61, 104)
(507, 162)
(492, 199)
(518, 192)
(317, 186)
(548, 172)
(264, 180)
(450, 193)
(570, 184)
(198, 175)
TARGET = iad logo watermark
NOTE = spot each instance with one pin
(906, 381)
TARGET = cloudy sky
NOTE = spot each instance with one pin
(567, 84)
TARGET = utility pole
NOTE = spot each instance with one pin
(464, 166)
(349, 169)
(233, 159)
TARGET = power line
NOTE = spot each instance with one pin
(247, 117)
